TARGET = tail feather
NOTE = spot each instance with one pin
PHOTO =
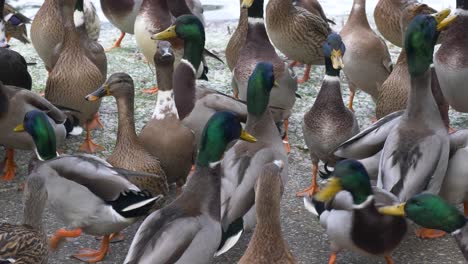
(230, 237)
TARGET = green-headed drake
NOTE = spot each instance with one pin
(189, 229)
(350, 215)
(85, 192)
(195, 105)
(329, 122)
(244, 161)
(433, 212)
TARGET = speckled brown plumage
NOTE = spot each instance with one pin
(47, 31)
(267, 244)
(22, 243)
(296, 32)
(237, 40)
(74, 75)
(394, 93)
(387, 15)
(312, 6)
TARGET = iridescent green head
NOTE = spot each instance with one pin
(259, 87)
(222, 128)
(430, 211)
(351, 176)
(420, 38)
(37, 125)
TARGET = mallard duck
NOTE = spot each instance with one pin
(27, 243)
(313, 6)
(328, 123)
(267, 244)
(195, 105)
(164, 136)
(450, 60)
(13, 67)
(48, 30)
(129, 152)
(431, 211)
(122, 14)
(85, 13)
(243, 162)
(388, 13)
(237, 40)
(415, 155)
(257, 48)
(189, 229)
(296, 32)
(367, 59)
(75, 75)
(109, 201)
(15, 102)
(353, 212)
(16, 24)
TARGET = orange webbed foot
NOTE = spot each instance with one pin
(427, 233)
(151, 90)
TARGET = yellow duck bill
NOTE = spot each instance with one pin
(395, 210)
(169, 33)
(331, 189)
(247, 137)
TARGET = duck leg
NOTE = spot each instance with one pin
(306, 75)
(118, 42)
(332, 258)
(313, 189)
(153, 90)
(95, 123)
(352, 92)
(428, 233)
(287, 146)
(8, 38)
(388, 259)
(61, 234)
(92, 255)
(294, 64)
(10, 166)
(88, 145)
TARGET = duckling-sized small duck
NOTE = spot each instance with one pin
(388, 13)
(451, 60)
(415, 154)
(129, 152)
(353, 212)
(431, 211)
(122, 14)
(195, 105)
(297, 33)
(14, 104)
(189, 229)
(367, 59)
(257, 48)
(267, 244)
(243, 162)
(237, 40)
(85, 192)
(329, 122)
(16, 24)
(27, 243)
(77, 73)
(164, 136)
(13, 66)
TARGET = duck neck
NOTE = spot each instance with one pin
(164, 76)
(358, 14)
(243, 20)
(126, 135)
(70, 35)
(420, 100)
(33, 211)
(193, 51)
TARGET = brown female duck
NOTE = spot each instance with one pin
(237, 39)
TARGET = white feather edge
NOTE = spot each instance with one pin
(77, 130)
(230, 242)
(362, 205)
(309, 206)
(184, 61)
(279, 163)
(461, 12)
(78, 17)
(141, 204)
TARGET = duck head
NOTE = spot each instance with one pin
(220, 130)
(37, 125)
(420, 38)
(351, 176)
(333, 50)
(259, 87)
(164, 54)
(190, 29)
(430, 211)
(118, 85)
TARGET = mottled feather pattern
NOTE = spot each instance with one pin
(23, 244)
(237, 40)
